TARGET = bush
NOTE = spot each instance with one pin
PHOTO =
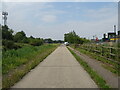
(9, 45)
(19, 36)
(36, 42)
(25, 40)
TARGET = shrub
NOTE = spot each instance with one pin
(9, 45)
(36, 42)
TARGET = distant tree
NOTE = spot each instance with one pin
(58, 41)
(71, 37)
(9, 39)
(32, 37)
(19, 36)
(36, 42)
(49, 40)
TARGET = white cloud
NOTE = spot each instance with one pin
(50, 12)
(49, 18)
(49, 15)
(102, 13)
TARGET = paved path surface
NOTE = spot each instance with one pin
(108, 76)
(58, 70)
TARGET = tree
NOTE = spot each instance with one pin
(36, 41)
(58, 41)
(7, 33)
(0, 33)
(49, 40)
(71, 37)
(32, 37)
(19, 36)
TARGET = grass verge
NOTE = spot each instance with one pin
(109, 65)
(29, 61)
(98, 79)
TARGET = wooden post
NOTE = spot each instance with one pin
(102, 51)
(110, 52)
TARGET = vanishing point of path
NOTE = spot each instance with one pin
(59, 70)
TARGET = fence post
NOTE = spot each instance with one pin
(102, 51)
(110, 56)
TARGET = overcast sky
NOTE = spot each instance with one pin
(53, 19)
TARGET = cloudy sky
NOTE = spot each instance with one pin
(53, 19)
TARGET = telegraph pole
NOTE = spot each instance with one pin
(115, 29)
(5, 17)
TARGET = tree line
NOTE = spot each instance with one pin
(11, 40)
(73, 38)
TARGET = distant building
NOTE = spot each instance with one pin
(111, 35)
(115, 38)
(118, 36)
(118, 32)
(104, 39)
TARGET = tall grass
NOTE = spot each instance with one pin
(16, 63)
(13, 58)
